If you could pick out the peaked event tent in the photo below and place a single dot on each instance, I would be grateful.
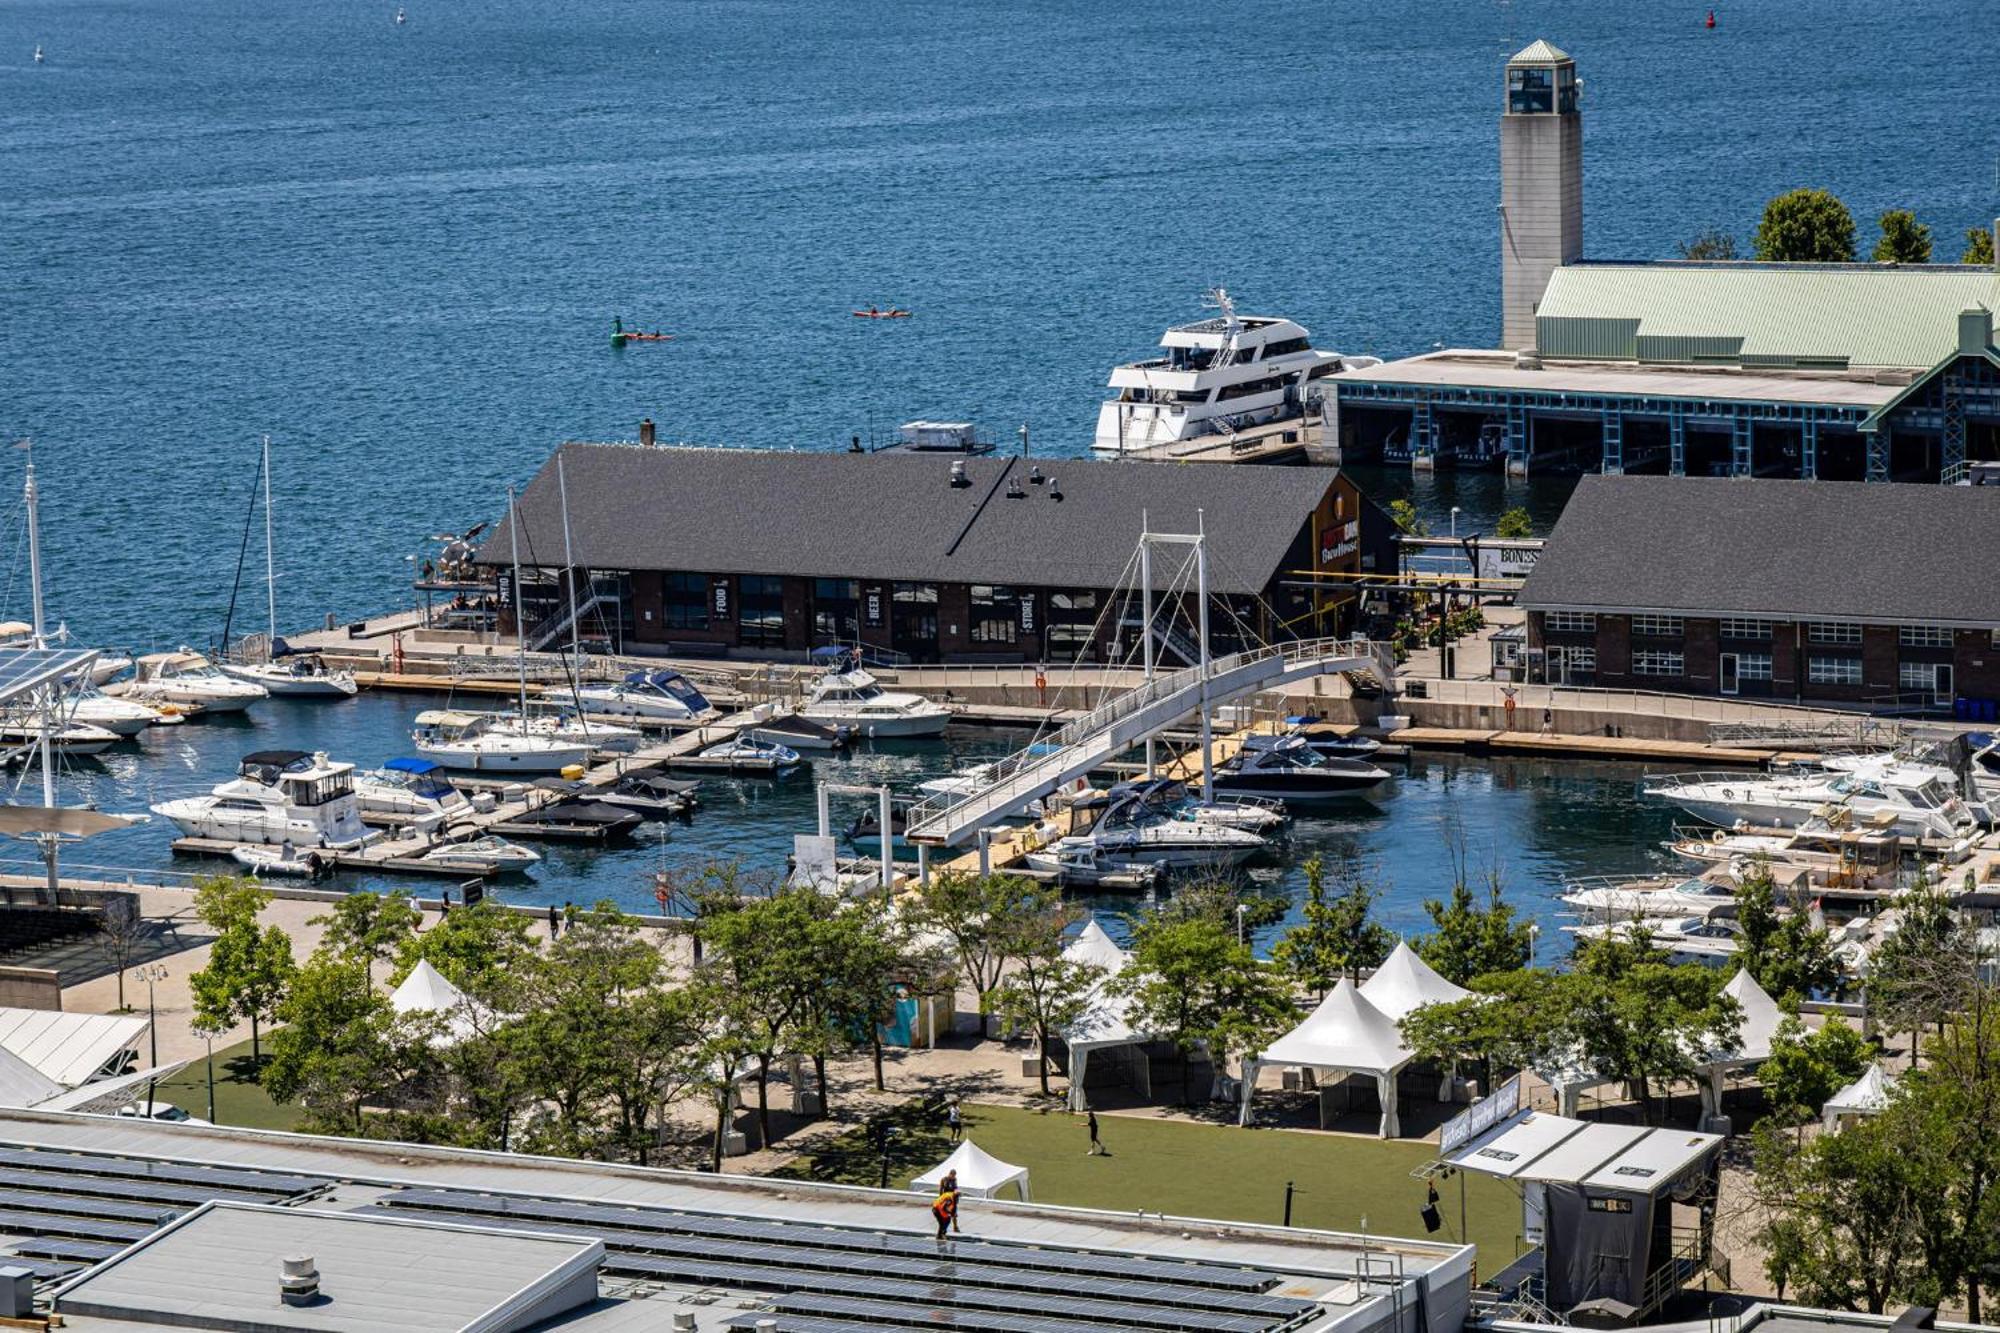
(980, 1173)
(1404, 984)
(68, 1048)
(1867, 1095)
(1104, 1022)
(1346, 1034)
(1761, 1017)
(21, 1084)
(425, 991)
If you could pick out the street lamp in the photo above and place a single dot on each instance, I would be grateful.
(1534, 936)
(150, 973)
(207, 1034)
(1454, 522)
(1241, 908)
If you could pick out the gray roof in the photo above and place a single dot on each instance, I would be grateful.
(895, 516)
(1817, 550)
(1541, 51)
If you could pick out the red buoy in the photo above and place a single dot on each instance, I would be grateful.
(1711, 18)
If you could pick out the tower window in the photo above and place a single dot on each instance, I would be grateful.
(1531, 91)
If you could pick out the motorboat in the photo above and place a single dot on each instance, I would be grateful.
(650, 795)
(185, 677)
(570, 728)
(294, 676)
(1078, 865)
(469, 741)
(107, 666)
(483, 856)
(1832, 853)
(1124, 826)
(21, 736)
(803, 734)
(659, 693)
(749, 751)
(285, 862)
(1919, 800)
(1218, 376)
(1625, 898)
(1686, 939)
(970, 781)
(414, 789)
(1333, 744)
(1289, 769)
(849, 696)
(277, 797)
(1176, 800)
(864, 834)
(124, 717)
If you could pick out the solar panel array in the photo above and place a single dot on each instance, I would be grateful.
(64, 1211)
(825, 1278)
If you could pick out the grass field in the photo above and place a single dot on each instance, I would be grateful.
(238, 1098)
(1193, 1170)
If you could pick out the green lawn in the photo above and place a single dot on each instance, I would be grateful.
(1194, 1170)
(238, 1098)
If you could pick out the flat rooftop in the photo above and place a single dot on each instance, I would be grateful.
(77, 1191)
(1475, 369)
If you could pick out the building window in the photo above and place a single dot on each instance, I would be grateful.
(1746, 629)
(1569, 622)
(1923, 636)
(1572, 666)
(1654, 663)
(837, 610)
(916, 627)
(1531, 91)
(1834, 631)
(1658, 627)
(684, 601)
(1833, 670)
(1919, 677)
(760, 611)
(1072, 624)
(1753, 666)
(995, 613)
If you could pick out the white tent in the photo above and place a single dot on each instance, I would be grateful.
(107, 1095)
(1405, 983)
(1104, 1022)
(68, 1048)
(1867, 1095)
(1346, 1034)
(1761, 1017)
(980, 1173)
(21, 1084)
(426, 991)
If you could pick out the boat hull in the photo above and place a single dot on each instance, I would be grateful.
(894, 728)
(474, 760)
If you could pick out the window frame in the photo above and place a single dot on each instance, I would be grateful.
(1659, 627)
(1833, 670)
(1654, 662)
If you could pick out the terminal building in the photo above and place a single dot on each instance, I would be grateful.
(1789, 590)
(925, 558)
(1853, 372)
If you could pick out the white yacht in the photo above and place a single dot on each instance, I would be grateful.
(107, 665)
(85, 705)
(296, 676)
(1687, 939)
(1620, 898)
(663, 694)
(187, 678)
(1218, 376)
(475, 855)
(470, 741)
(278, 797)
(415, 789)
(22, 736)
(1919, 800)
(571, 729)
(1125, 827)
(851, 697)
(754, 753)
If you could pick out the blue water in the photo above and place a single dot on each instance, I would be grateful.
(398, 251)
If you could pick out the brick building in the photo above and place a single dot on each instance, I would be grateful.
(1791, 590)
(935, 558)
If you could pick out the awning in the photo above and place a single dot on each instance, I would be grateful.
(68, 1048)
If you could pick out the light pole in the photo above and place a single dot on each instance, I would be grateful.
(1454, 522)
(207, 1034)
(1241, 908)
(150, 973)
(1534, 936)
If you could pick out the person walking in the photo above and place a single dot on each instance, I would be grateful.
(1097, 1148)
(555, 922)
(945, 1207)
(955, 1120)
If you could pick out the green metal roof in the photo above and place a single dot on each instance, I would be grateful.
(1540, 52)
(1760, 314)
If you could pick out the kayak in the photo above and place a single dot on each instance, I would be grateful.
(883, 314)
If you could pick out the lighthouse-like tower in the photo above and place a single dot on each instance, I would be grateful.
(1541, 184)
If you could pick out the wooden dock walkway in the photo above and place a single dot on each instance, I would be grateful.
(1584, 747)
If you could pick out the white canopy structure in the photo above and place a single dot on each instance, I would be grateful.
(107, 1095)
(68, 1048)
(1345, 1035)
(426, 991)
(1867, 1095)
(1761, 1017)
(1105, 1021)
(980, 1173)
(21, 1084)
(1405, 983)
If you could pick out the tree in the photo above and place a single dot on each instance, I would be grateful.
(481, 949)
(1407, 520)
(1709, 243)
(1923, 971)
(1842, 1226)
(1515, 1021)
(341, 1047)
(1978, 246)
(121, 929)
(1805, 1068)
(1191, 983)
(1046, 991)
(1472, 941)
(769, 948)
(1953, 1106)
(1806, 226)
(368, 927)
(1515, 524)
(246, 977)
(1335, 937)
(1634, 1018)
(223, 901)
(979, 915)
(654, 1059)
(1788, 955)
(1904, 239)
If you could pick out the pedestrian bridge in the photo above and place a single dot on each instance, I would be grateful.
(1118, 724)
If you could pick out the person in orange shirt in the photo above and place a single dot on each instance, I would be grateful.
(945, 1207)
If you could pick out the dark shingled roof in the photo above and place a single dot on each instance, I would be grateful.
(1775, 550)
(895, 515)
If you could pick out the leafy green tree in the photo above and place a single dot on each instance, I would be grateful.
(1923, 971)
(1787, 954)
(770, 948)
(1805, 1067)
(1978, 246)
(979, 915)
(223, 901)
(1470, 940)
(1904, 239)
(1335, 937)
(1191, 983)
(246, 977)
(1516, 1021)
(482, 949)
(1633, 1017)
(1709, 243)
(654, 1059)
(732, 1036)
(866, 953)
(1806, 226)
(1841, 1213)
(1046, 992)
(1514, 524)
(342, 1048)
(1407, 520)
(369, 927)
(1953, 1106)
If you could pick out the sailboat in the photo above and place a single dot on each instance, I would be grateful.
(283, 674)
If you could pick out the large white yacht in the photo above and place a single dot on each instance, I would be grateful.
(186, 677)
(277, 797)
(1125, 826)
(470, 740)
(1219, 376)
(852, 697)
(659, 693)
(1917, 799)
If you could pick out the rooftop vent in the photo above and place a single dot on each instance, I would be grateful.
(1015, 490)
(300, 1283)
(958, 477)
(1055, 489)
(1035, 477)
(683, 1321)
(1527, 359)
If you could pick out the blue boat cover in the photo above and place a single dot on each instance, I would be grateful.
(412, 766)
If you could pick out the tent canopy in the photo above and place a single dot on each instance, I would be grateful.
(1345, 1032)
(980, 1173)
(68, 1048)
(1761, 1017)
(21, 1084)
(425, 990)
(1097, 949)
(1867, 1095)
(1106, 1018)
(108, 1094)
(1405, 983)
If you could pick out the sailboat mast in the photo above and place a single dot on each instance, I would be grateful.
(569, 584)
(270, 567)
(520, 627)
(49, 690)
(1207, 721)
